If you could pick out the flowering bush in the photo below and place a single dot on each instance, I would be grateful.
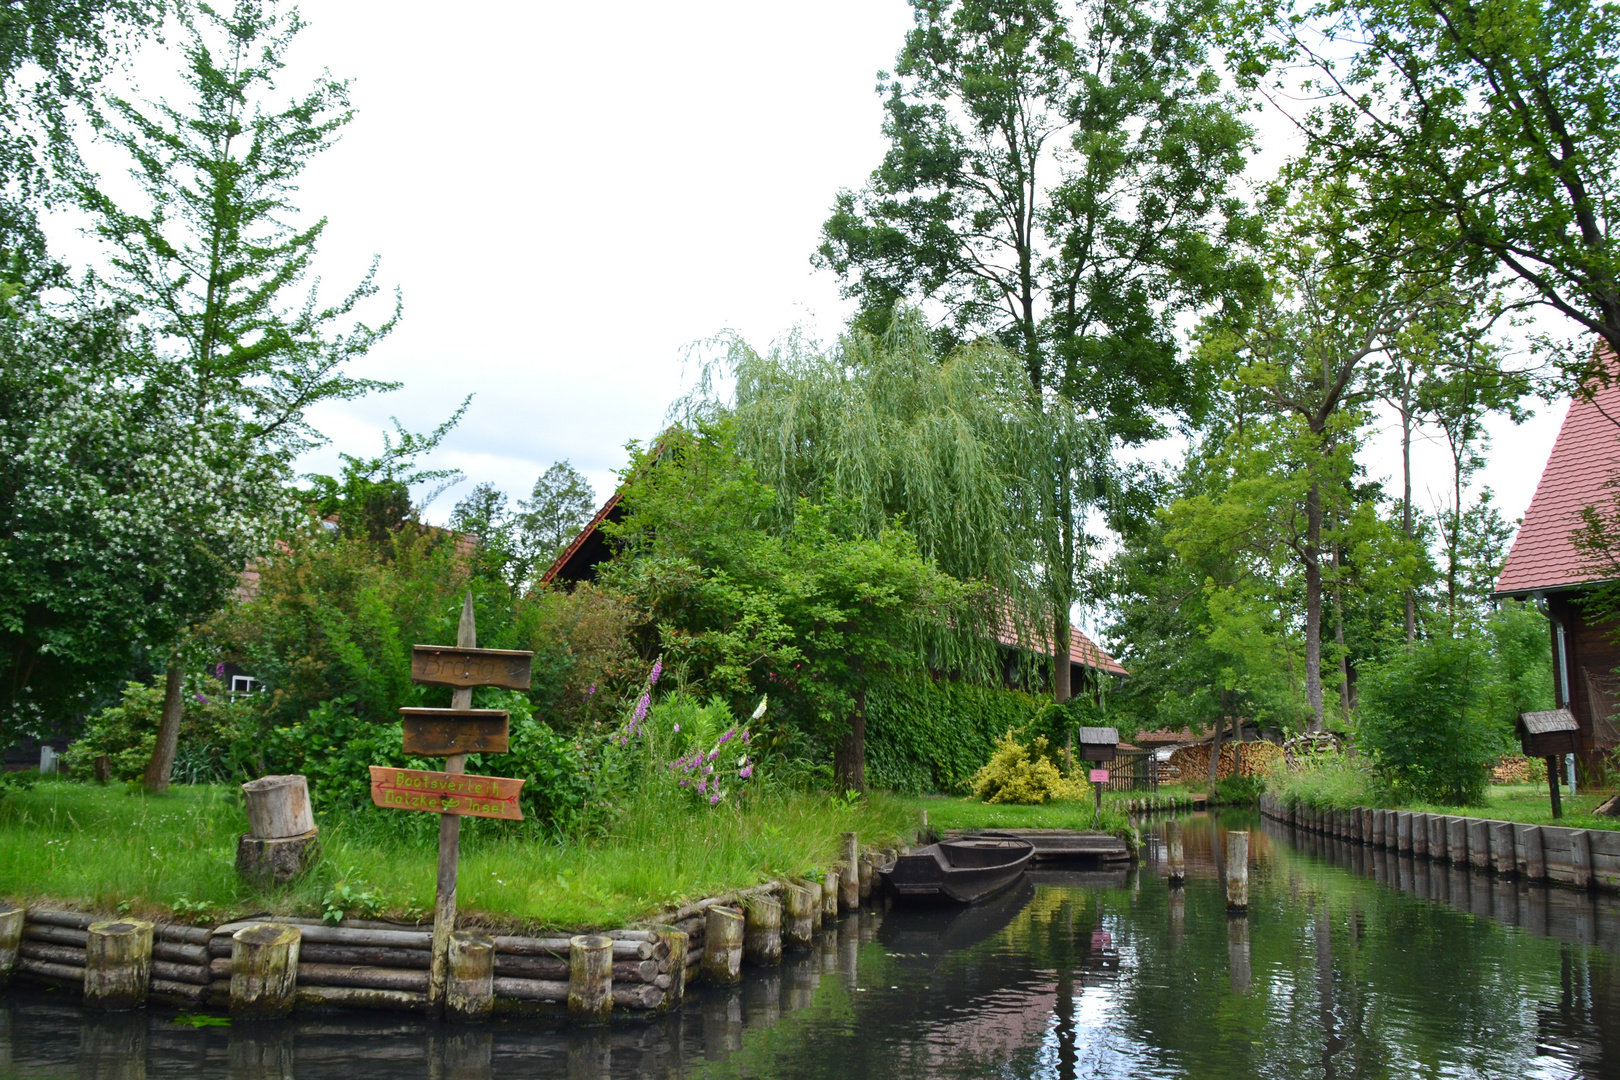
(705, 770)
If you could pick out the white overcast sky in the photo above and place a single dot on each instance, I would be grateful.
(569, 196)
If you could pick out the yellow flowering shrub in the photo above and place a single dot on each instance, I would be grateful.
(1017, 773)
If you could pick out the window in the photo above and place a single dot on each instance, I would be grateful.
(242, 684)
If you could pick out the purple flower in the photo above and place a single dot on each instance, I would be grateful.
(591, 691)
(641, 707)
(677, 729)
(713, 754)
(219, 671)
(746, 771)
(200, 698)
(713, 799)
(703, 785)
(727, 736)
(657, 669)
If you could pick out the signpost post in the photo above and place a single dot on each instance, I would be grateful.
(452, 734)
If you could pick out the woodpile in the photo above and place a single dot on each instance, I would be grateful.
(1518, 769)
(1191, 763)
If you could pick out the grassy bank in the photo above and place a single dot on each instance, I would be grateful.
(116, 848)
(949, 812)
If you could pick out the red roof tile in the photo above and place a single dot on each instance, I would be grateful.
(1583, 461)
(1082, 650)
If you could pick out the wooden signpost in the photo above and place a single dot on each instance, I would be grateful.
(452, 734)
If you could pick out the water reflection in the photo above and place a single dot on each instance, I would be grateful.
(1350, 962)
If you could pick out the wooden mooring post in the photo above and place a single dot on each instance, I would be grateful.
(11, 928)
(117, 964)
(1237, 871)
(1176, 857)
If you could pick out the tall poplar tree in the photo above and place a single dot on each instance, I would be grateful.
(1060, 177)
(212, 258)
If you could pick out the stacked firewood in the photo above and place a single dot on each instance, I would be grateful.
(1241, 759)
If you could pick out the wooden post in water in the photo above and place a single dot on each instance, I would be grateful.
(117, 964)
(801, 912)
(469, 992)
(829, 895)
(444, 899)
(11, 927)
(866, 874)
(849, 879)
(1176, 857)
(590, 978)
(264, 970)
(1237, 871)
(723, 946)
(762, 931)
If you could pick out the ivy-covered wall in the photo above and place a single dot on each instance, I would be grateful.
(925, 736)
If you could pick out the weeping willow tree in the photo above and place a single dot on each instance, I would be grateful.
(994, 482)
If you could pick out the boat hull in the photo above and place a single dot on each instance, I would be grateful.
(960, 871)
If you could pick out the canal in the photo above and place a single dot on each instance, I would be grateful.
(1350, 963)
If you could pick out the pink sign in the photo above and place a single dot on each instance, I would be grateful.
(1099, 776)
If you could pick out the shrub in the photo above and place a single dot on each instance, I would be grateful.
(219, 737)
(1024, 774)
(1328, 778)
(1426, 722)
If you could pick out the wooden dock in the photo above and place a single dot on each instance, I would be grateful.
(1062, 845)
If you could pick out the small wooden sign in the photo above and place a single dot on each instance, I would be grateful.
(442, 665)
(442, 732)
(1099, 776)
(446, 793)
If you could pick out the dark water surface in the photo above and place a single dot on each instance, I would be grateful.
(1349, 964)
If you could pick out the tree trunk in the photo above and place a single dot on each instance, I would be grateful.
(849, 763)
(1062, 670)
(1338, 639)
(1215, 746)
(1406, 507)
(1313, 606)
(168, 736)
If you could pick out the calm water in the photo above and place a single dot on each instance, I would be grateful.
(1349, 964)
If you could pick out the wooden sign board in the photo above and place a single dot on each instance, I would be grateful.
(442, 665)
(446, 793)
(442, 732)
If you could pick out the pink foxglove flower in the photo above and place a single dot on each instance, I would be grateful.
(657, 670)
(713, 799)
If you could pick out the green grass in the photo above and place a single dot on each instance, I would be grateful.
(1532, 805)
(102, 848)
(950, 812)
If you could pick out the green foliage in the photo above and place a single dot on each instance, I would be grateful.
(926, 735)
(1521, 647)
(1240, 790)
(1023, 773)
(811, 612)
(350, 896)
(1329, 779)
(219, 737)
(1426, 721)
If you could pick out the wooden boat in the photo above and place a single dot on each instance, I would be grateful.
(960, 871)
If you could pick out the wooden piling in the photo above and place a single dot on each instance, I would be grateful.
(676, 943)
(11, 928)
(867, 872)
(1580, 857)
(723, 946)
(117, 964)
(1237, 871)
(1176, 856)
(1502, 849)
(1403, 833)
(849, 895)
(469, 991)
(1479, 843)
(829, 895)
(801, 912)
(762, 931)
(264, 970)
(590, 978)
(1529, 857)
(1376, 835)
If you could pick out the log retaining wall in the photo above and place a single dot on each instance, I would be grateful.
(1583, 858)
(380, 965)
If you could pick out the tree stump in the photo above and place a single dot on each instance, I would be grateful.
(867, 872)
(11, 927)
(723, 946)
(278, 806)
(676, 941)
(762, 931)
(264, 862)
(590, 978)
(117, 964)
(264, 970)
(801, 911)
(470, 987)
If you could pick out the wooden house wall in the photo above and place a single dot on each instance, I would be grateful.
(1593, 695)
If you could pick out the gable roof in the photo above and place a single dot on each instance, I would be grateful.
(1583, 460)
(1082, 650)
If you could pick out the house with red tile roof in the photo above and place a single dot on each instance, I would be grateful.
(1544, 566)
